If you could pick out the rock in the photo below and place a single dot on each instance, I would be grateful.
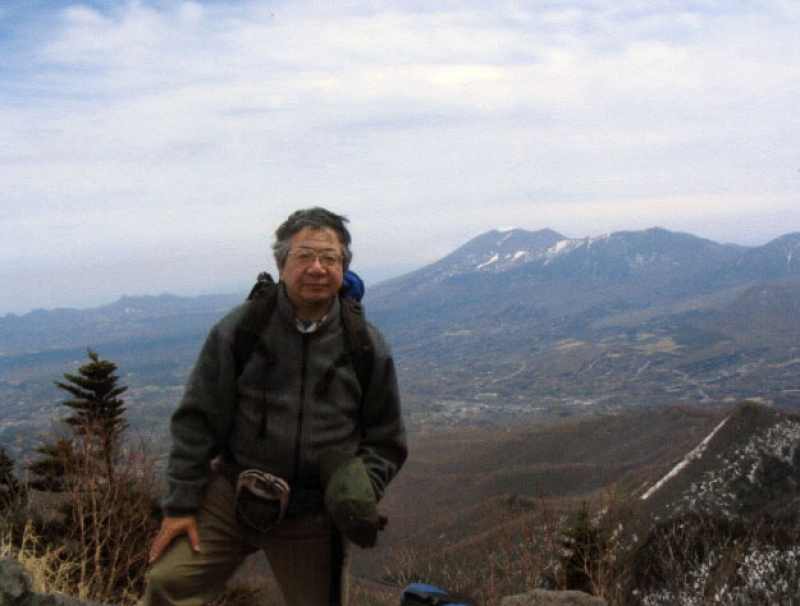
(15, 583)
(547, 580)
(543, 597)
(16, 589)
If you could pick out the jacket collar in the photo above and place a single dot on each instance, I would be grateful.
(287, 312)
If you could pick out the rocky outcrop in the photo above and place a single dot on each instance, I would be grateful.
(544, 597)
(16, 589)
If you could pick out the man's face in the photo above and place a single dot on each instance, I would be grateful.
(312, 281)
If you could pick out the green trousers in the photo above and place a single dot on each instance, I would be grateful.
(302, 553)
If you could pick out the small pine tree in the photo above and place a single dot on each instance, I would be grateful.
(94, 431)
(10, 487)
(105, 514)
(98, 420)
(53, 470)
(95, 398)
(584, 544)
(13, 502)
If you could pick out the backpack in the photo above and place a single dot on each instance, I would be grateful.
(422, 594)
(261, 302)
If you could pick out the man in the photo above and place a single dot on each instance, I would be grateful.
(296, 397)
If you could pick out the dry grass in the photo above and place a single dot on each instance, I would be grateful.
(50, 571)
(91, 540)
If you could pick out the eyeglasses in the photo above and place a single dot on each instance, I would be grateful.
(306, 256)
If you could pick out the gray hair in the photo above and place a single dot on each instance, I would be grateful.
(316, 218)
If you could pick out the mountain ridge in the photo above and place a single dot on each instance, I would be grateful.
(500, 250)
(734, 469)
(632, 319)
(513, 324)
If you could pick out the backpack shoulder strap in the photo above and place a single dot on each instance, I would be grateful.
(260, 304)
(358, 340)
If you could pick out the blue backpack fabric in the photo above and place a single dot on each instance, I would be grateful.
(422, 594)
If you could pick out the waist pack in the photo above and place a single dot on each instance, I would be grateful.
(261, 499)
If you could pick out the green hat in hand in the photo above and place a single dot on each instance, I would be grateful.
(349, 497)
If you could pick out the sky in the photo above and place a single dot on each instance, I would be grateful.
(151, 146)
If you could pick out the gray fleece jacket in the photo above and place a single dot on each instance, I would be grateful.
(297, 395)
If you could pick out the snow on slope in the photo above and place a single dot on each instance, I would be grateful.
(759, 455)
(696, 453)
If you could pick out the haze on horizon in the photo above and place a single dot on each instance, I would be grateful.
(153, 146)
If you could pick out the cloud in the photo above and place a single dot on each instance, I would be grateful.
(177, 135)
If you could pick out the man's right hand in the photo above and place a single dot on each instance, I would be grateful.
(172, 528)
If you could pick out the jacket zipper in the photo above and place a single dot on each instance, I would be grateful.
(262, 429)
(301, 408)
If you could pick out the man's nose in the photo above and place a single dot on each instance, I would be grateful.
(316, 265)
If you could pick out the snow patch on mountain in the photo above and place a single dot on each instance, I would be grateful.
(695, 454)
(496, 259)
(562, 247)
(491, 261)
(741, 470)
(746, 464)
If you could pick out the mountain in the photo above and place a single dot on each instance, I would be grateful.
(500, 272)
(130, 318)
(634, 319)
(512, 325)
